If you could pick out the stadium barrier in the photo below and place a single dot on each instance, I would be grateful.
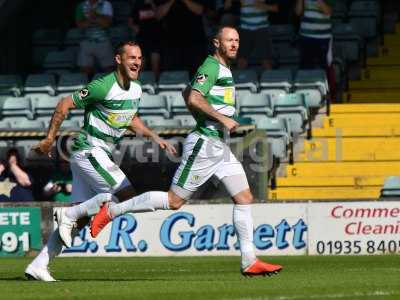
(334, 228)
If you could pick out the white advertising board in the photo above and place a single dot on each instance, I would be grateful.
(279, 229)
(197, 230)
(354, 228)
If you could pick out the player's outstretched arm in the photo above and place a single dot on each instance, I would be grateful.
(139, 128)
(61, 111)
(196, 102)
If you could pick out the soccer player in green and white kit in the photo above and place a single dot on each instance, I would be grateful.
(111, 104)
(211, 99)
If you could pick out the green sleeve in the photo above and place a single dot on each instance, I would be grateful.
(79, 15)
(94, 92)
(205, 78)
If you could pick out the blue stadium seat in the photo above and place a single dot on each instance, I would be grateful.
(40, 83)
(71, 82)
(28, 125)
(364, 17)
(245, 79)
(43, 42)
(313, 84)
(60, 60)
(274, 82)
(44, 105)
(391, 187)
(173, 80)
(165, 123)
(278, 135)
(256, 104)
(348, 43)
(10, 85)
(292, 108)
(148, 82)
(16, 107)
(153, 105)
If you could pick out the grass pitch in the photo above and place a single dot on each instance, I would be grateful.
(303, 278)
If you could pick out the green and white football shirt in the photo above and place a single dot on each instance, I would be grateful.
(314, 23)
(215, 82)
(109, 109)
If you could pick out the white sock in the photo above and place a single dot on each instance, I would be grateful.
(145, 202)
(50, 251)
(243, 222)
(89, 207)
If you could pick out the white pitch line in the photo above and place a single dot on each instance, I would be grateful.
(324, 296)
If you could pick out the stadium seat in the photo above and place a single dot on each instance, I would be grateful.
(153, 105)
(348, 42)
(177, 104)
(186, 120)
(71, 82)
(277, 135)
(313, 85)
(165, 123)
(16, 107)
(77, 119)
(28, 124)
(43, 42)
(44, 105)
(256, 104)
(10, 85)
(281, 34)
(148, 81)
(391, 187)
(245, 79)
(70, 124)
(40, 83)
(292, 107)
(60, 60)
(4, 125)
(173, 80)
(288, 56)
(364, 16)
(274, 82)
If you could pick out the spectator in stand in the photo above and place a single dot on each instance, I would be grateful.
(95, 16)
(316, 37)
(145, 24)
(59, 187)
(16, 183)
(254, 35)
(229, 11)
(184, 36)
(5, 184)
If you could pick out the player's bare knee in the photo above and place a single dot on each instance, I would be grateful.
(243, 197)
(175, 202)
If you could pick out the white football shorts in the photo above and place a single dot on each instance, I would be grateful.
(94, 172)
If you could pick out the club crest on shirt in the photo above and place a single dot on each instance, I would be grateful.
(201, 78)
(83, 93)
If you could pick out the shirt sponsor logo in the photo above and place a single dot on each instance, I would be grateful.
(201, 78)
(83, 93)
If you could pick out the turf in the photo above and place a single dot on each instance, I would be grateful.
(351, 277)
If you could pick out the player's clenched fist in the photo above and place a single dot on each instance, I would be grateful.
(230, 124)
(44, 147)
